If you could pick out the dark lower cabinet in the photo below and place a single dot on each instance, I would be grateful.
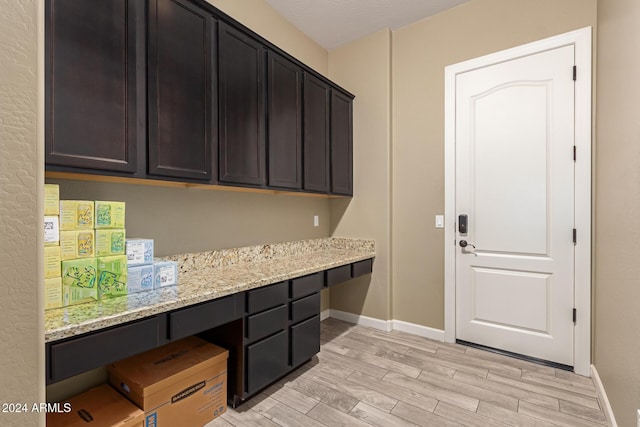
(242, 108)
(341, 143)
(316, 134)
(182, 97)
(267, 360)
(305, 340)
(94, 85)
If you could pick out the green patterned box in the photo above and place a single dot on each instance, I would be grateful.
(112, 276)
(79, 281)
(110, 242)
(109, 214)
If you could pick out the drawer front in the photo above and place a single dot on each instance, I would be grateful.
(305, 340)
(361, 268)
(266, 323)
(192, 320)
(101, 348)
(266, 297)
(305, 307)
(266, 361)
(338, 275)
(303, 286)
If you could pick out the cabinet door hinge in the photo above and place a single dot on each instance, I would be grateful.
(575, 73)
(575, 236)
(575, 315)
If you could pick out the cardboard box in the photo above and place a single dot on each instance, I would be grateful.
(52, 267)
(76, 214)
(52, 293)
(183, 383)
(112, 276)
(77, 244)
(109, 214)
(79, 282)
(51, 199)
(139, 251)
(101, 406)
(110, 242)
(140, 278)
(51, 230)
(165, 273)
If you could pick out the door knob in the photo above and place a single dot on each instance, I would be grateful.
(464, 244)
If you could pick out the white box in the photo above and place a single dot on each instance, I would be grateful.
(139, 251)
(140, 278)
(51, 230)
(165, 273)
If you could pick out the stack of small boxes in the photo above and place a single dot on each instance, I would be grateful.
(145, 271)
(52, 272)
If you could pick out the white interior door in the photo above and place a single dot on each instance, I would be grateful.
(514, 179)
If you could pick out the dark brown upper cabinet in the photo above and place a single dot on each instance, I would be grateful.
(341, 143)
(242, 108)
(94, 85)
(316, 134)
(285, 123)
(182, 91)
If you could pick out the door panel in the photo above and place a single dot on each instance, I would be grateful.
(515, 181)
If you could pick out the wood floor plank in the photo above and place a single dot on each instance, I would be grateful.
(575, 378)
(580, 399)
(351, 363)
(378, 418)
(422, 364)
(490, 365)
(247, 418)
(431, 357)
(358, 391)
(294, 399)
(334, 418)
(465, 418)
(582, 412)
(559, 418)
(338, 400)
(427, 346)
(286, 416)
(509, 361)
(516, 392)
(348, 342)
(482, 394)
(381, 362)
(394, 391)
(418, 340)
(419, 416)
(218, 422)
(560, 383)
(260, 403)
(380, 344)
(509, 417)
(444, 395)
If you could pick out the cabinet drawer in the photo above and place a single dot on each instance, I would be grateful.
(361, 268)
(305, 340)
(338, 275)
(305, 307)
(266, 297)
(266, 361)
(266, 323)
(101, 348)
(303, 286)
(192, 320)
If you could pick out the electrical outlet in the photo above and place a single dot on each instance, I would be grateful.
(316, 220)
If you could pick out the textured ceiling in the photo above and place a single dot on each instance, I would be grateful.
(332, 23)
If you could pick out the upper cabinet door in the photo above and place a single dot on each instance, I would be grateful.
(94, 84)
(285, 123)
(341, 143)
(182, 114)
(316, 134)
(242, 108)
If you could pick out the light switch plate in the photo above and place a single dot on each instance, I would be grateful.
(439, 221)
(316, 221)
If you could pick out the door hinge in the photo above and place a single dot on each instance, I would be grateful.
(575, 149)
(575, 236)
(575, 73)
(575, 315)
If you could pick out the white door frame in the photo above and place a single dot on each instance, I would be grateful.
(581, 39)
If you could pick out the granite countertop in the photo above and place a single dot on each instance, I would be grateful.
(210, 275)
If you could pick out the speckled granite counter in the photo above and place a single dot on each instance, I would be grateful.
(207, 276)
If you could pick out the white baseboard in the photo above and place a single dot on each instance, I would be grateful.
(387, 325)
(325, 314)
(422, 331)
(602, 394)
(371, 322)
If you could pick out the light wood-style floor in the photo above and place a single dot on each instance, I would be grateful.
(366, 377)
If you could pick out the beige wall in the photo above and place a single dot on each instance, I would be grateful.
(617, 287)
(420, 53)
(21, 210)
(364, 68)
